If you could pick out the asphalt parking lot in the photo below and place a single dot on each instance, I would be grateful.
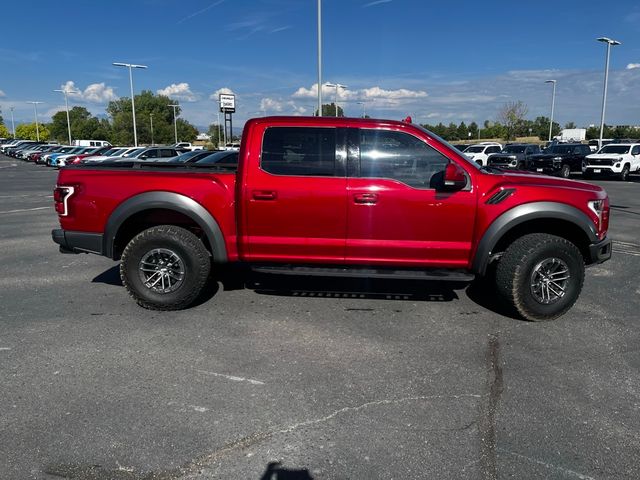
(322, 380)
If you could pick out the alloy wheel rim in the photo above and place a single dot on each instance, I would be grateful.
(549, 280)
(161, 270)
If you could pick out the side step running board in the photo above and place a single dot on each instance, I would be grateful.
(447, 275)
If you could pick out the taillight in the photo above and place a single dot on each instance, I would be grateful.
(75, 159)
(60, 197)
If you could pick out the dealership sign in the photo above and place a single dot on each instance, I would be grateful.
(227, 102)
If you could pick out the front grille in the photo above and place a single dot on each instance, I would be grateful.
(600, 161)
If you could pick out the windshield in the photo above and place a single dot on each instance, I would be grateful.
(133, 153)
(222, 157)
(615, 149)
(514, 149)
(475, 149)
(187, 156)
(560, 149)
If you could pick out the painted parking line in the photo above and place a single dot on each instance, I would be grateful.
(26, 209)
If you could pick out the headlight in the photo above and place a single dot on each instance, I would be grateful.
(557, 159)
(596, 206)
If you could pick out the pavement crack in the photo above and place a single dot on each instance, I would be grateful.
(487, 417)
(258, 437)
(564, 470)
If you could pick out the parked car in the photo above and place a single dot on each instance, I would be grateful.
(187, 146)
(595, 145)
(225, 159)
(193, 156)
(76, 159)
(561, 159)
(46, 159)
(150, 154)
(91, 143)
(615, 159)
(61, 160)
(514, 156)
(412, 206)
(52, 160)
(109, 155)
(480, 152)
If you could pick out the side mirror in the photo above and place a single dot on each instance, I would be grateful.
(454, 178)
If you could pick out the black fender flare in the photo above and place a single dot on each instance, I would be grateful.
(524, 213)
(169, 201)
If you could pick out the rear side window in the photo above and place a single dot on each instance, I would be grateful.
(167, 153)
(299, 151)
(495, 149)
(399, 156)
(635, 150)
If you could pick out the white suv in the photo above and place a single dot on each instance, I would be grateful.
(618, 159)
(481, 151)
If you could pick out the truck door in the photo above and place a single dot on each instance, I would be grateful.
(295, 197)
(395, 214)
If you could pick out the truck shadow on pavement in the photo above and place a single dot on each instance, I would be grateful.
(480, 292)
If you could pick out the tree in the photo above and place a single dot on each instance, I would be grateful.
(569, 125)
(463, 131)
(329, 110)
(27, 131)
(147, 103)
(4, 131)
(541, 128)
(511, 115)
(216, 131)
(83, 125)
(473, 129)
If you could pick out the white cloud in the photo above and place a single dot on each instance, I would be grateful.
(179, 91)
(376, 2)
(214, 95)
(270, 105)
(373, 93)
(94, 93)
(633, 66)
(400, 94)
(2, 94)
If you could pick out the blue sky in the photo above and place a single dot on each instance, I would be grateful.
(437, 61)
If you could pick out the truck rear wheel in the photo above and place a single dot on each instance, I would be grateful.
(165, 268)
(541, 276)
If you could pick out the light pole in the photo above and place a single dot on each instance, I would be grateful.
(66, 104)
(131, 66)
(319, 58)
(553, 104)
(219, 131)
(364, 110)
(609, 43)
(35, 110)
(175, 123)
(151, 121)
(337, 86)
(13, 126)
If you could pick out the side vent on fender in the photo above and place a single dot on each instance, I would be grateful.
(500, 196)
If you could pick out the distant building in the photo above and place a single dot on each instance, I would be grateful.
(203, 137)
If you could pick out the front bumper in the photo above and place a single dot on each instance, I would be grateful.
(602, 170)
(78, 242)
(600, 251)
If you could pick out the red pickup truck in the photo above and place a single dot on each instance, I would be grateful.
(337, 197)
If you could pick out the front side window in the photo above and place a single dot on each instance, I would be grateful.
(299, 151)
(399, 156)
(635, 150)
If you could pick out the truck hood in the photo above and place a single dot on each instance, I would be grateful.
(530, 179)
(606, 155)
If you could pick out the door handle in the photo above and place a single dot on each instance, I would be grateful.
(264, 195)
(366, 198)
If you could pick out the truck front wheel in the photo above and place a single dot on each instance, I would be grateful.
(541, 276)
(165, 268)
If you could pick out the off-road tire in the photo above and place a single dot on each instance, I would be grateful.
(514, 274)
(624, 175)
(565, 171)
(191, 252)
